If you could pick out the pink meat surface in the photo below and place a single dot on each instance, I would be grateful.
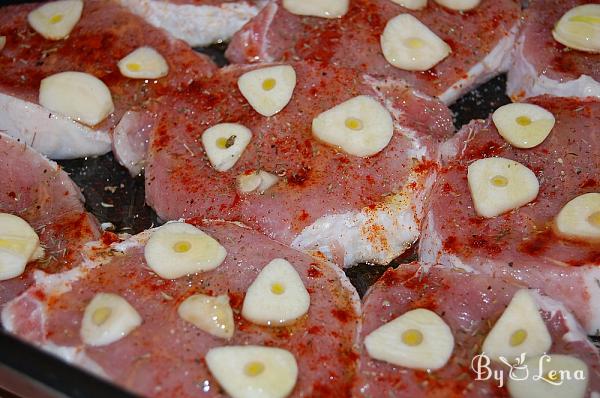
(521, 244)
(38, 191)
(544, 66)
(105, 34)
(349, 208)
(481, 40)
(164, 357)
(470, 305)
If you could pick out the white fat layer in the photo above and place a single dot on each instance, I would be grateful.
(575, 331)
(130, 153)
(431, 253)
(56, 136)
(524, 81)
(396, 223)
(198, 25)
(496, 62)
(75, 356)
(591, 280)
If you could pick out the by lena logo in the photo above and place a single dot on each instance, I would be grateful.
(519, 369)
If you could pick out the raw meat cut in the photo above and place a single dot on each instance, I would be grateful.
(470, 305)
(522, 243)
(105, 33)
(38, 191)
(481, 41)
(164, 357)
(542, 65)
(197, 22)
(348, 208)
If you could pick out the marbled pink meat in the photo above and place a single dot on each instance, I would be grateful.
(104, 35)
(481, 41)
(521, 244)
(351, 209)
(544, 66)
(470, 305)
(164, 357)
(38, 191)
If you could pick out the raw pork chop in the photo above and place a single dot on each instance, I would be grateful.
(38, 191)
(544, 66)
(521, 244)
(164, 357)
(105, 33)
(481, 41)
(198, 22)
(349, 208)
(470, 305)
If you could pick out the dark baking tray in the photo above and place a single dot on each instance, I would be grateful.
(115, 197)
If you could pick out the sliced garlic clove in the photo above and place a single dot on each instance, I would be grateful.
(224, 144)
(499, 185)
(549, 376)
(2, 42)
(418, 339)
(108, 318)
(277, 296)
(211, 314)
(520, 329)
(523, 125)
(177, 249)
(55, 20)
(143, 63)
(579, 28)
(459, 5)
(360, 126)
(78, 95)
(580, 218)
(410, 45)
(268, 90)
(253, 371)
(317, 8)
(256, 181)
(19, 244)
(411, 4)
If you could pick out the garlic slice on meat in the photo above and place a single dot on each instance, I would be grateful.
(80, 96)
(277, 296)
(19, 244)
(144, 63)
(211, 314)
(418, 339)
(520, 329)
(56, 19)
(253, 371)
(177, 249)
(268, 90)
(411, 4)
(579, 28)
(360, 126)
(317, 8)
(256, 181)
(408, 44)
(580, 218)
(549, 376)
(224, 144)
(499, 185)
(459, 5)
(108, 318)
(523, 125)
